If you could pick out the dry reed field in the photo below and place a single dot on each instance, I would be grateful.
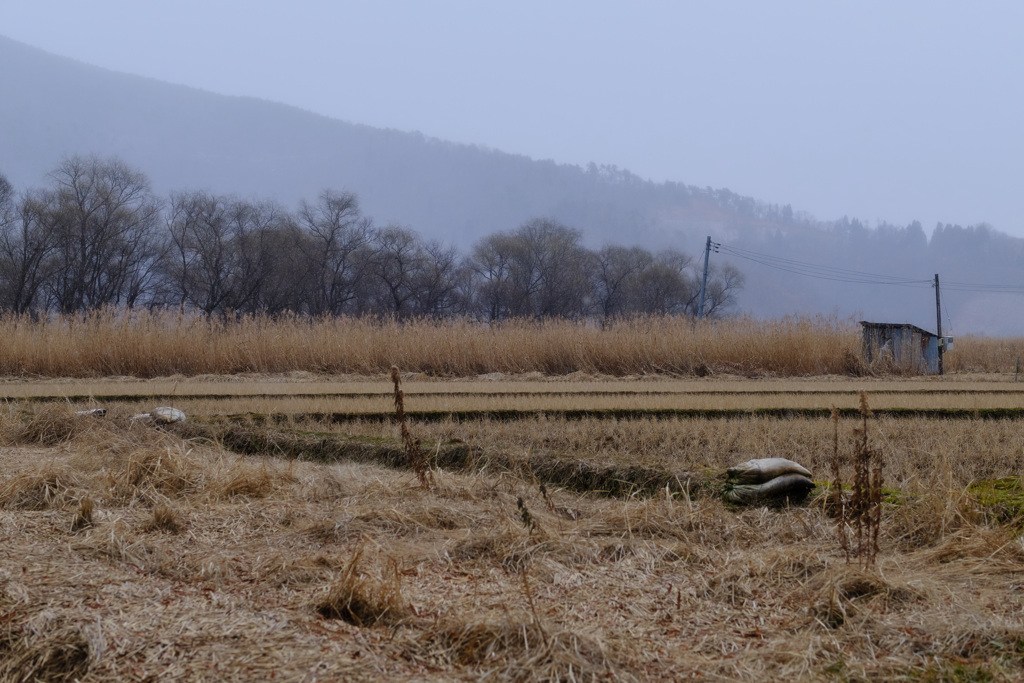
(514, 525)
(161, 344)
(134, 553)
(131, 553)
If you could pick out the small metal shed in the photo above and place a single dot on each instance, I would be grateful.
(908, 346)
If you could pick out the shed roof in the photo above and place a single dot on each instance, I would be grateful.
(902, 326)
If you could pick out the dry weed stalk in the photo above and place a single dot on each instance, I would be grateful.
(529, 521)
(547, 498)
(863, 510)
(866, 500)
(837, 502)
(528, 592)
(415, 457)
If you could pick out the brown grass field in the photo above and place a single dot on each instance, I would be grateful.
(162, 344)
(285, 544)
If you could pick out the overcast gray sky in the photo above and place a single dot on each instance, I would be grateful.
(881, 110)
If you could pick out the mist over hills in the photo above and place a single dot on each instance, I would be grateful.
(182, 138)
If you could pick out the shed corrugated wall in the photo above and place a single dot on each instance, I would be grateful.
(908, 346)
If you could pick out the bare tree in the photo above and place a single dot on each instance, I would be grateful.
(6, 199)
(90, 240)
(285, 282)
(436, 281)
(618, 278)
(724, 283)
(338, 236)
(100, 216)
(202, 262)
(492, 263)
(25, 249)
(666, 286)
(254, 228)
(397, 254)
(540, 270)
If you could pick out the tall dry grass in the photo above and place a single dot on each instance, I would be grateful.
(145, 344)
(163, 343)
(975, 353)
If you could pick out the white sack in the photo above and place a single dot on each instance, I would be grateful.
(165, 415)
(795, 487)
(764, 469)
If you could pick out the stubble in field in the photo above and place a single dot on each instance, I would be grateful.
(199, 563)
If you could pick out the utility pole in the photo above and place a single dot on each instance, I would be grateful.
(938, 319)
(704, 282)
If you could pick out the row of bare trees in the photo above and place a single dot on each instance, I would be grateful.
(97, 236)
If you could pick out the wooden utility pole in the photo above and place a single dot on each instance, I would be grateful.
(938, 321)
(704, 282)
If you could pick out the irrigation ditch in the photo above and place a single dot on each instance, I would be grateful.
(1001, 500)
(513, 415)
(543, 466)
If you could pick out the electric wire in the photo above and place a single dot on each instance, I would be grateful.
(976, 287)
(821, 272)
(836, 274)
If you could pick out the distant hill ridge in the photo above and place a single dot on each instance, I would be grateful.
(184, 138)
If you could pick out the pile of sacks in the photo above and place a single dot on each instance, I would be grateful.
(163, 415)
(767, 480)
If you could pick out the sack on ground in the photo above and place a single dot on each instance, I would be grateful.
(167, 415)
(762, 470)
(792, 487)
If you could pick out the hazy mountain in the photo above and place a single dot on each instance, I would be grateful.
(183, 138)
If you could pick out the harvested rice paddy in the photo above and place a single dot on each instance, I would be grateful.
(554, 539)
(290, 396)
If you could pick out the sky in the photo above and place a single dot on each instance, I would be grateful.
(879, 110)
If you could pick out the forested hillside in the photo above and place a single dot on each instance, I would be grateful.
(230, 150)
(96, 236)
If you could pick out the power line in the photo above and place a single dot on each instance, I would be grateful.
(973, 287)
(835, 274)
(822, 272)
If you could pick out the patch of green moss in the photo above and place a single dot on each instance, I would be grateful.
(1003, 498)
(961, 673)
(836, 667)
(365, 438)
(894, 497)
